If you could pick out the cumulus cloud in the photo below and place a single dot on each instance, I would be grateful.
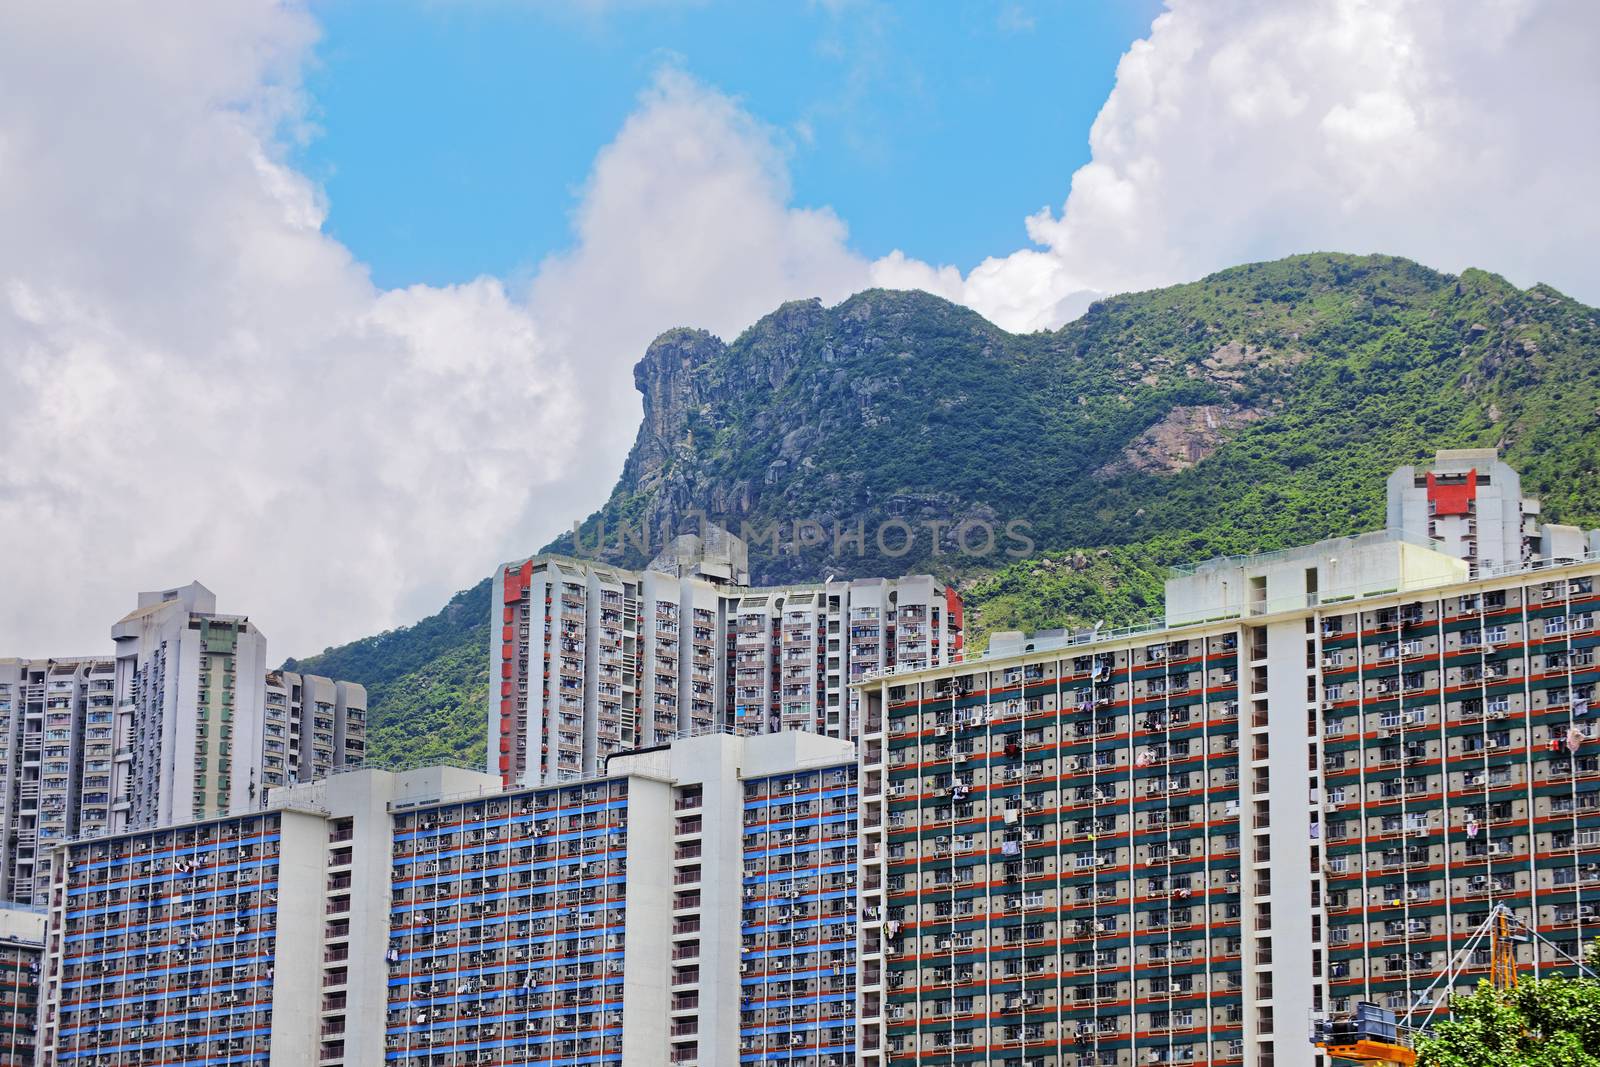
(685, 220)
(1238, 130)
(200, 383)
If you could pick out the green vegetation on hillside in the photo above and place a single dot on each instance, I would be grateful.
(1119, 585)
(427, 685)
(1258, 408)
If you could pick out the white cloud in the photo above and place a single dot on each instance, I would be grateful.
(1457, 134)
(199, 383)
(1014, 18)
(684, 221)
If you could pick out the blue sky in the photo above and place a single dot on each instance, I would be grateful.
(454, 138)
(446, 287)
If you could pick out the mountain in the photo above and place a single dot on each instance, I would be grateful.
(1259, 407)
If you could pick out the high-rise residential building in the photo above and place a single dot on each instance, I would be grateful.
(797, 969)
(591, 660)
(695, 904)
(190, 706)
(182, 720)
(21, 951)
(1302, 789)
(314, 726)
(56, 752)
(1471, 502)
(203, 728)
(1176, 843)
(163, 943)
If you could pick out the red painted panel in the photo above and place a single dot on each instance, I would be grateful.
(517, 582)
(1454, 498)
(953, 609)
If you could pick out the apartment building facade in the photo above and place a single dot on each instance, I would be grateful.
(1178, 843)
(589, 660)
(56, 752)
(694, 901)
(181, 720)
(313, 727)
(798, 919)
(203, 729)
(163, 944)
(21, 950)
(190, 708)
(1471, 502)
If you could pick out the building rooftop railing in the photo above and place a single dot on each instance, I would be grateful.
(1257, 559)
(1051, 642)
(400, 766)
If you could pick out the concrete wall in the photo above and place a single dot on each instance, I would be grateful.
(364, 798)
(249, 717)
(1280, 581)
(497, 623)
(1562, 542)
(647, 926)
(1289, 839)
(22, 924)
(297, 964)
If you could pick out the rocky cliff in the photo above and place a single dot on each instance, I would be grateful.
(1256, 408)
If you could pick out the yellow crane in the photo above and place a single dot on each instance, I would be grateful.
(1502, 950)
(1373, 1035)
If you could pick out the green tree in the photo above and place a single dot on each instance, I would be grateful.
(1543, 1022)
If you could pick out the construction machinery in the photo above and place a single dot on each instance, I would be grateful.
(1369, 1034)
(1375, 1035)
